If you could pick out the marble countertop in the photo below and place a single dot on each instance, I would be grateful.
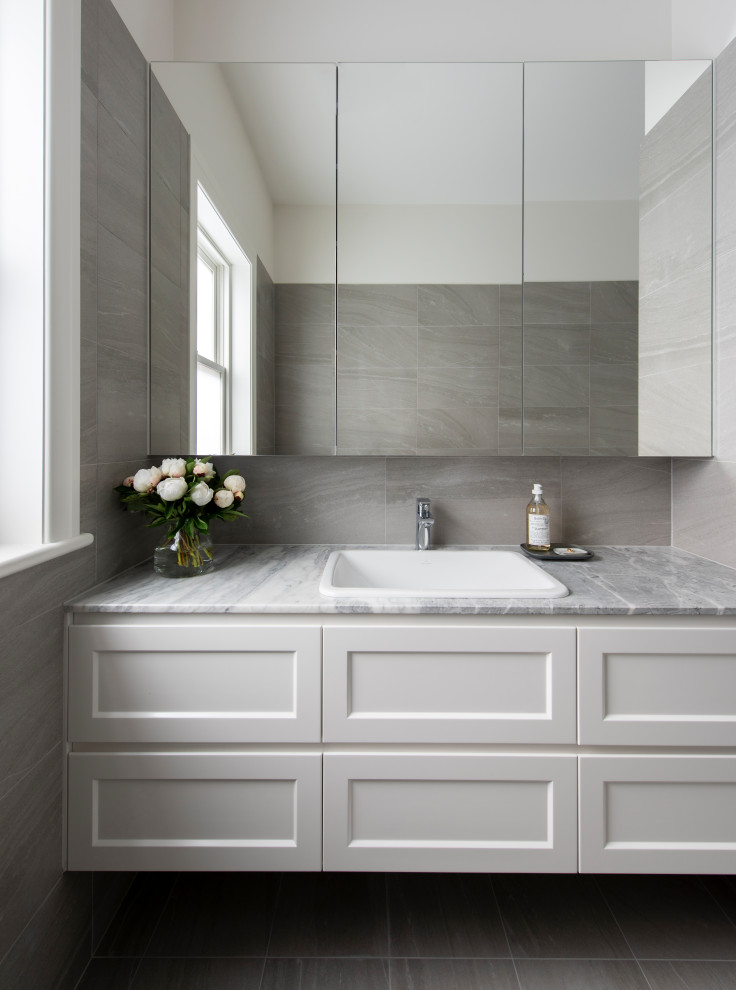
(276, 578)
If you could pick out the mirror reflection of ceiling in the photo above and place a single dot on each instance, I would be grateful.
(430, 133)
(282, 107)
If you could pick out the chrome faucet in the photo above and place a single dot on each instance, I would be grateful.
(425, 521)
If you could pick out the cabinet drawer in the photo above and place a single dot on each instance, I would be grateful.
(657, 687)
(443, 813)
(658, 814)
(182, 811)
(194, 684)
(440, 684)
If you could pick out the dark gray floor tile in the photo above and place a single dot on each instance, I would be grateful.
(558, 917)
(453, 974)
(579, 974)
(217, 914)
(690, 975)
(331, 914)
(325, 974)
(108, 893)
(132, 927)
(198, 974)
(724, 891)
(669, 917)
(54, 947)
(444, 915)
(108, 974)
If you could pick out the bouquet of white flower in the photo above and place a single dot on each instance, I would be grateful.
(185, 494)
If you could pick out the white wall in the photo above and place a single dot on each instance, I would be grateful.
(702, 28)
(581, 241)
(151, 22)
(222, 154)
(418, 30)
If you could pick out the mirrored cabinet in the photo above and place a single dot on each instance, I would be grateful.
(431, 259)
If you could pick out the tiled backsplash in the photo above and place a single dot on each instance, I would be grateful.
(437, 369)
(475, 500)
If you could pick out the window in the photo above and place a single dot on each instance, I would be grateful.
(213, 347)
(224, 339)
(39, 278)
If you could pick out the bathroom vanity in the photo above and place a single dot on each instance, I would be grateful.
(242, 721)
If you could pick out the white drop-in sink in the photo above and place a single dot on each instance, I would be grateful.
(436, 574)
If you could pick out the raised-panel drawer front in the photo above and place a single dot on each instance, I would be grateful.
(442, 813)
(182, 811)
(440, 684)
(657, 687)
(194, 684)
(657, 814)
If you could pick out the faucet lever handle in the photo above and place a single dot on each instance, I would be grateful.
(423, 508)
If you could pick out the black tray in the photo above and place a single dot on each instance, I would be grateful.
(548, 555)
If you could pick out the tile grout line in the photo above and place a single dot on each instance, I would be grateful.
(623, 934)
(505, 933)
(270, 932)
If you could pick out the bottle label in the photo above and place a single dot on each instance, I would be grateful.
(538, 531)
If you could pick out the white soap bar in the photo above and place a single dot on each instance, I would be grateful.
(570, 552)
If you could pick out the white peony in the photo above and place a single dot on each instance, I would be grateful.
(223, 498)
(204, 470)
(172, 489)
(143, 481)
(201, 494)
(235, 483)
(128, 482)
(156, 475)
(173, 467)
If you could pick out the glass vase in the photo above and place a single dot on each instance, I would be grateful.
(182, 555)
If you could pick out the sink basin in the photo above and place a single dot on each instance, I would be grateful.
(436, 574)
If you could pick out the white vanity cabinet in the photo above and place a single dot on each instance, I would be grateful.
(666, 804)
(471, 743)
(163, 773)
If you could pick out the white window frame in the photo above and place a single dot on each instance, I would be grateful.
(39, 289)
(242, 300)
(210, 253)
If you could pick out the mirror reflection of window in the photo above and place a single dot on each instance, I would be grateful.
(223, 335)
(213, 346)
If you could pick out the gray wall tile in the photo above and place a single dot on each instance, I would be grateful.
(511, 305)
(556, 427)
(452, 428)
(457, 386)
(614, 385)
(304, 303)
(30, 826)
(440, 347)
(377, 305)
(561, 345)
(377, 431)
(616, 500)
(557, 303)
(122, 183)
(614, 343)
(614, 302)
(122, 297)
(310, 500)
(30, 698)
(376, 347)
(557, 385)
(122, 76)
(122, 406)
(459, 305)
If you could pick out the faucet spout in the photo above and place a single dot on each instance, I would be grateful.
(425, 521)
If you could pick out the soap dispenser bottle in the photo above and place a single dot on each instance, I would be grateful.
(537, 521)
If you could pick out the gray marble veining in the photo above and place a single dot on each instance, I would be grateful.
(285, 579)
